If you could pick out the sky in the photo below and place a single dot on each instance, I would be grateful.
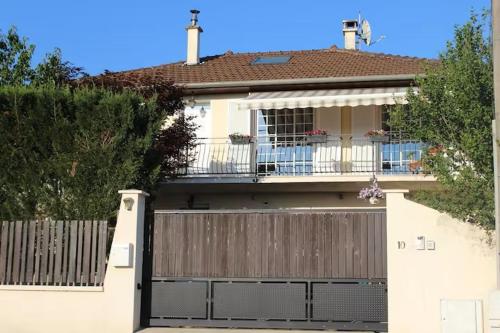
(125, 34)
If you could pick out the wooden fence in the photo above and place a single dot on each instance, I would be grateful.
(270, 245)
(54, 253)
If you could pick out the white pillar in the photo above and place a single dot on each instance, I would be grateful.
(123, 296)
(393, 199)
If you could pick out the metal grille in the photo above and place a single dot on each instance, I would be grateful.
(349, 302)
(247, 300)
(179, 299)
(342, 304)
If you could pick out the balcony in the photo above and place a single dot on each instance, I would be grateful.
(301, 155)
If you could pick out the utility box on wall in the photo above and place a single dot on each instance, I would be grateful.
(121, 255)
(461, 316)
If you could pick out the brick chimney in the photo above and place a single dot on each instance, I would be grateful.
(193, 39)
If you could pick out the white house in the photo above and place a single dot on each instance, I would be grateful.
(264, 229)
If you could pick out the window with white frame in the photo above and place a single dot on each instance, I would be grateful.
(281, 145)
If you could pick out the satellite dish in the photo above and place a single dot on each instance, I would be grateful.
(366, 32)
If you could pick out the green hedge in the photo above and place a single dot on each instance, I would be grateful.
(65, 152)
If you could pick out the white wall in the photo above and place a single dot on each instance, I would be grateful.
(202, 118)
(270, 200)
(462, 267)
(113, 308)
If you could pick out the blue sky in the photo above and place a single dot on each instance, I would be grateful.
(125, 34)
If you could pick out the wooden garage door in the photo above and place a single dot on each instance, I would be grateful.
(329, 244)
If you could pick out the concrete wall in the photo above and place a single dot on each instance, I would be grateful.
(462, 266)
(113, 308)
(272, 200)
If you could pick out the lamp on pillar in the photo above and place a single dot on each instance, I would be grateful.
(129, 203)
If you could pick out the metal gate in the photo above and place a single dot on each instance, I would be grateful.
(267, 269)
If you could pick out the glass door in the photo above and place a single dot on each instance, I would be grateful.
(281, 144)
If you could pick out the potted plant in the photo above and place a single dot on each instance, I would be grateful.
(377, 135)
(372, 193)
(240, 139)
(316, 136)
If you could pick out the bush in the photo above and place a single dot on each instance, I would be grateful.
(65, 152)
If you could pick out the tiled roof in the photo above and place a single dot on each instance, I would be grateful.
(309, 64)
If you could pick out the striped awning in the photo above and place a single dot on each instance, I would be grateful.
(322, 98)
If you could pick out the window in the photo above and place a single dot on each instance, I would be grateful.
(271, 60)
(285, 124)
(281, 145)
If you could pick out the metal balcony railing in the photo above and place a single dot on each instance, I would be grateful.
(290, 155)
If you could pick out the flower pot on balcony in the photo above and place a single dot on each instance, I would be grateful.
(316, 138)
(241, 140)
(373, 200)
(379, 138)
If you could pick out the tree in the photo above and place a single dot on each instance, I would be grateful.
(16, 64)
(69, 142)
(451, 111)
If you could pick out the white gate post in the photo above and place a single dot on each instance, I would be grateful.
(124, 273)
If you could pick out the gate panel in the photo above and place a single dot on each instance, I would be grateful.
(349, 302)
(243, 300)
(270, 245)
(179, 299)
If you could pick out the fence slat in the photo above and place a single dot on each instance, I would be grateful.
(50, 275)
(31, 252)
(45, 252)
(87, 238)
(78, 277)
(58, 254)
(38, 251)
(101, 253)
(93, 256)
(10, 252)
(24, 248)
(3, 250)
(72, 252)
(17, 252)
(103, 236)
(65, 270)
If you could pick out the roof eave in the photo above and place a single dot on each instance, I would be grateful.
(400, 80)
(368, 78)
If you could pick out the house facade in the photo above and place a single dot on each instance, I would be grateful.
(264, 227)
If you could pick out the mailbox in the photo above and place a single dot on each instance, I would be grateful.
(121, 255)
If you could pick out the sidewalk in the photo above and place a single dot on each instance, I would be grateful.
(227, 330)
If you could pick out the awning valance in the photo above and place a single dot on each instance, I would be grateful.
(323, 98)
